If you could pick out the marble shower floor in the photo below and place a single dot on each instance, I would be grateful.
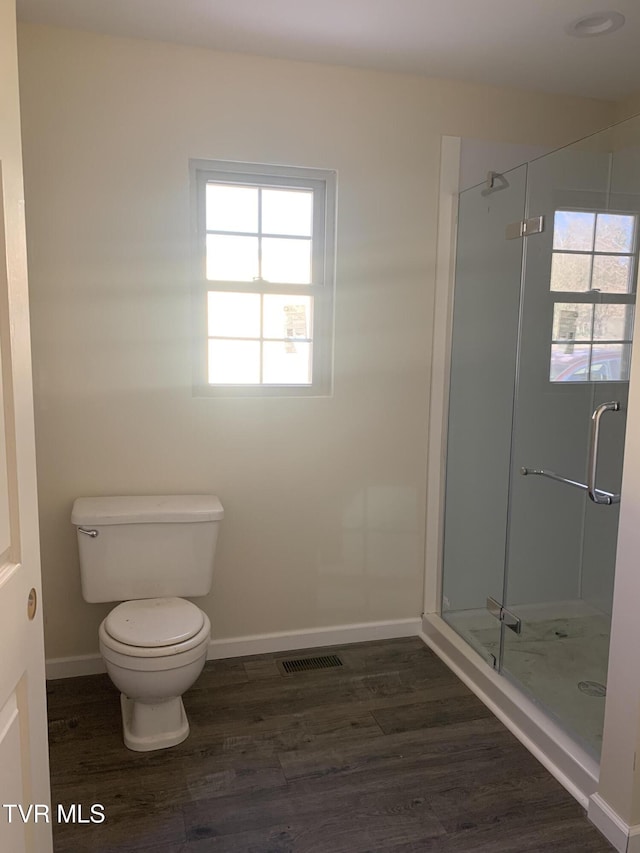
(561, 646)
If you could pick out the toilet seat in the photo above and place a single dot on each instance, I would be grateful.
(151, 658)
(154, 622)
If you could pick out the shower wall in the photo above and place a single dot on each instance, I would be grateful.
(542, 331)
(557, 543)
(483, 357)
(552, 420)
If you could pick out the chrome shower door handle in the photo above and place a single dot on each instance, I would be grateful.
(596, 495)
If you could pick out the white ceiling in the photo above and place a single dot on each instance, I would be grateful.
(518, 43)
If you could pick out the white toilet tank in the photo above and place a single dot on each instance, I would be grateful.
(147, 546)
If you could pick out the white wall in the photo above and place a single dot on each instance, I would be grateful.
(619, 788)
(324, 498)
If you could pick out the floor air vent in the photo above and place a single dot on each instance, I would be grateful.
(290, 667)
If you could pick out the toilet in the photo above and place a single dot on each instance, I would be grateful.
(150, 553)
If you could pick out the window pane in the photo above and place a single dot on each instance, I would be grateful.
(569, 363)
(570, 272)
(610, 363)
(234, 362)
(287, 316)
(287, 212)
(613, 323)
(572, 322)
(611, 274)
(286, 261)
(614, 232)
(287, 363)
(234, 315)
(573, 230)
(232, 208)
(232, 258)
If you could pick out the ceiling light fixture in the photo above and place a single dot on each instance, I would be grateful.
(598, 24)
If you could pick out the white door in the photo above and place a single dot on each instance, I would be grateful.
(24, 763)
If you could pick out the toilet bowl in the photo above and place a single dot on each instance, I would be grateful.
(154, 650)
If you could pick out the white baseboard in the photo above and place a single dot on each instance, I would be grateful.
(338, 635)
(72, 667)
(625, 838)
(311, 639)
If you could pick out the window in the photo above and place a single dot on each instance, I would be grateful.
(593, 275)
(263, 303)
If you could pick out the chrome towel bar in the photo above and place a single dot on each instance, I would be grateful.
(598, 496)
(605, 497)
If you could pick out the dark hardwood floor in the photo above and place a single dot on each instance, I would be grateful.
(389, 752)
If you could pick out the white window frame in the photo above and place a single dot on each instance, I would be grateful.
(321, 289)
(596, 297)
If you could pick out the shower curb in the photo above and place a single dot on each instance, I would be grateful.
(569, 763)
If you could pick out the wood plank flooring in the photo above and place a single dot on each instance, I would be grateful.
(390, 752)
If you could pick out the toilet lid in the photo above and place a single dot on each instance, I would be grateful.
(152, 622)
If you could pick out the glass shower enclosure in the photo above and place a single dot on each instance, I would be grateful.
(545, 286)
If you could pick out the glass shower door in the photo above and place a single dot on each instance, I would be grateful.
(485, 335)
(569, 420)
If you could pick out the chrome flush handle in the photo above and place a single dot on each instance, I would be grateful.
(91, 533)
